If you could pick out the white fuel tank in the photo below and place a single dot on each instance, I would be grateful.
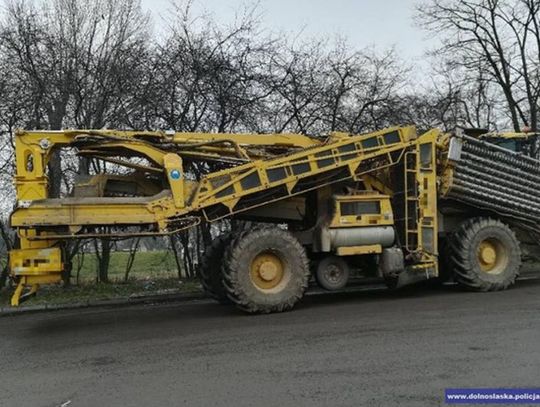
(357, 236)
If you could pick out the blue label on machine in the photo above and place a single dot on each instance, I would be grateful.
(175, 174)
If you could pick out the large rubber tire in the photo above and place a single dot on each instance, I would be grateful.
(470, 268)
(332, 273)
(210, 274)
(242, 280)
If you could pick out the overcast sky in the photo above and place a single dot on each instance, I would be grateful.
(380, 23)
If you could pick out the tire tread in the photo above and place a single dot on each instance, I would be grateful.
(460, 245)
(231, 265)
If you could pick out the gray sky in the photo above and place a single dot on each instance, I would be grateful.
(379, 23)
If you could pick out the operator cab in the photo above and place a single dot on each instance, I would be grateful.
(363, 208)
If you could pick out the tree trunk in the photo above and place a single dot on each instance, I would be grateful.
(131, 259)
(104, 261)
(179, 267)
(103, 255)
(8, 243)
(4, 275)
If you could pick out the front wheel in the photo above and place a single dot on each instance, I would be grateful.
(265, 270)
(485, 255)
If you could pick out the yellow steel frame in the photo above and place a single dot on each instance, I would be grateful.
(339, 158)
(359, 250)
(227, 187)
(427, 226)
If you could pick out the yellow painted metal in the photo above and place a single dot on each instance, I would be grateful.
(426, 179)
(359, 250)
(33, 149)
(35, 261)
(92, 211)
(487, 255)
(272, 140)
(212, 188)
(228, 186)
(263, 178)
(267, 271)
(175, 175)
(345, 155)
(371, 183)
(34, 281)
(152, 153)
(492, 256)
(33, 267)
(16, 297)
(380, 213)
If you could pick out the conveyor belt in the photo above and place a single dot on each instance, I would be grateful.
(490, 177)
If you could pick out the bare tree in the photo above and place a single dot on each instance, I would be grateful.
(8, 240)
(380, 79)
(498, 38)
(132, 252)
(74, 63)
(103, 249)
(452, 98)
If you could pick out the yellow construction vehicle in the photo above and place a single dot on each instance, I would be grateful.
(413, 204)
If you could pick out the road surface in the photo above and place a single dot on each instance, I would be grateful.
(371, 348)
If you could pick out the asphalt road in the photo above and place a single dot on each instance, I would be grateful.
(372, 348)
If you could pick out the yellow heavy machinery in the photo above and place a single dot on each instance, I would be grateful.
(418, 207)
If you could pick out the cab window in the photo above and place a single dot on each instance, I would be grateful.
(360, 208)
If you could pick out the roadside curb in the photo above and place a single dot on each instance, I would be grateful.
(168, 298)
(146, 299)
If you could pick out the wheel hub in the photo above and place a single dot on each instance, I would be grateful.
(492, 256)
(488, 256)
(333, 273)
(266, 270)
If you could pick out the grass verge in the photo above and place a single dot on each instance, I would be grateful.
(153, 273)
(56, 294)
